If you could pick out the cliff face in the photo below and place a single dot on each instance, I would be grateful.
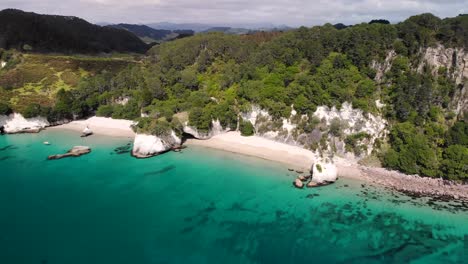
(16, 123)
(454, 60)
(456, 63)
(314, 132)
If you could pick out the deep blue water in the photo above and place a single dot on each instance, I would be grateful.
(203, 206)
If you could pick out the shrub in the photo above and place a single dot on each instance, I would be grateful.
(5, 109)
(319, 168)
(105, 110)
(336, 128)
(147, 125)
(246, 128)
(32, 110)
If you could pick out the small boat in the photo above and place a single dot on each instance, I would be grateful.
(46, 143)
(86, 132)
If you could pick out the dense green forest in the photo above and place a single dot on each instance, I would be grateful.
(47, 33)
(216, 76)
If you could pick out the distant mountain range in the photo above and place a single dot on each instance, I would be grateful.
(150, 35)
(50, 33)
(197, 27)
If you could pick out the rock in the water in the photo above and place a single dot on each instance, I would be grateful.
(324, 171)
(86, 132)
(74, 152)
(302, 178)
(146, 146)
(312, 184)
(298, 184)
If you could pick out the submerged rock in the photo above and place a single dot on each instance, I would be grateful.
(74, 152)
(298, 184)
(146, 146)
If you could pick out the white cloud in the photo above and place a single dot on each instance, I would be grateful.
(292, 12)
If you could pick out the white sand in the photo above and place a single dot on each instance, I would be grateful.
(294, 156)
(101, 126)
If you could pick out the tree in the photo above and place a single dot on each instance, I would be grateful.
(455, 163)
(5, 109)
(246, 128)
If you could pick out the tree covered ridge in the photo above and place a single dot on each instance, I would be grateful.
(217, 76)
(50, 33)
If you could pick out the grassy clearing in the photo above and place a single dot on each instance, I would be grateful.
(37, 77)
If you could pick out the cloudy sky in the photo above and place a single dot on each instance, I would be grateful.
(241, 12)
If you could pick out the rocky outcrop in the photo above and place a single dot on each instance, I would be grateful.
(352, 121)
(74, 152)
(145, 146)
(324, 171)
(215, 129)
(382, 67)
(455, 61)
(16, 123)
(86, 132)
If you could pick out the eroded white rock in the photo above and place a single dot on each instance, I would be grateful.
(145, 146)
(16, 123)
(324, 171)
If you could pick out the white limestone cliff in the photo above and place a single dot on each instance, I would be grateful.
(16, 123)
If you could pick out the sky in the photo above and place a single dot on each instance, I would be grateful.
(241, 12)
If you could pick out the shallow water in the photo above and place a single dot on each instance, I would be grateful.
(203, 206)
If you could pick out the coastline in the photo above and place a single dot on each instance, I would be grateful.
(302, 159)
(293, 157)
(105, 126)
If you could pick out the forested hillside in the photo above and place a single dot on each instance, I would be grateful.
(49, 33)
(379, 68)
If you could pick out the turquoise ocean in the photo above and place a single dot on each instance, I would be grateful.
(203, 206)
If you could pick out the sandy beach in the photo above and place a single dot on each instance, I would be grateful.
(295, 157)
(101, 126)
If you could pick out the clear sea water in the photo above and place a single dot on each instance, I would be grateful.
(203, 206)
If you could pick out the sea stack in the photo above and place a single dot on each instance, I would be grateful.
(86, 132)
(324, 171)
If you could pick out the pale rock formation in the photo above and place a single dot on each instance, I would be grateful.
(145, 146)
(16, 123)
(216, 129)
(324, 171)
(286, 131)
(455, 60)
(382, 67)
(122, 100)
(2, 64)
